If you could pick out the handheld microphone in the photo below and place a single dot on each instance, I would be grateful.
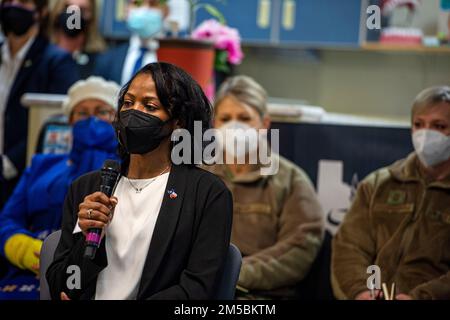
(110, 174)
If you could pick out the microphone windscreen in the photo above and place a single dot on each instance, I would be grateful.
(111, 165)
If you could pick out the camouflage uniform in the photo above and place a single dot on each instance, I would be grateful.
(399, 221)
(277, 225)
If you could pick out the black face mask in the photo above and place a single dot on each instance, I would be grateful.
(139, 132)
(61, 24)
(15, 19)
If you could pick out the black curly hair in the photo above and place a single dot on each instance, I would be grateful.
(180, 95)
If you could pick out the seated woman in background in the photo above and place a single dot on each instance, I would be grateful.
(277, 221)
(35, 208)
(84, 43)
(400, 218)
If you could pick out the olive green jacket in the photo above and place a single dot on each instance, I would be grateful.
(278, 226)
(400, 222)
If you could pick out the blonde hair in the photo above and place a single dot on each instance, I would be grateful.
(429, 98)
(245, 90)
(94, 41)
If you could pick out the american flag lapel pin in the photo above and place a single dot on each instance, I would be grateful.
(172, 194)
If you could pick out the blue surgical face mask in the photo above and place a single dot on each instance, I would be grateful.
(145, 22)
(92, 136)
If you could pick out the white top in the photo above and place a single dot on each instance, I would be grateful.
(128, 237)
(133, 54)
(9, 67)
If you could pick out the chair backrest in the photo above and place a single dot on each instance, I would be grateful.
(46, 258)
(54, 136)
(230, 275)
(225, 291)
(317, 284)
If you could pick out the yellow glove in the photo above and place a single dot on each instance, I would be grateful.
(23, 251)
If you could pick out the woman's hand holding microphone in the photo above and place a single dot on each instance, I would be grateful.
(96, 211)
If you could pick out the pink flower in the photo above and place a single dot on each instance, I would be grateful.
(207, 30)
(233, 47)
(223, 37)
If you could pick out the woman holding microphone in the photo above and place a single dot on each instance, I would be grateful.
(167, 227)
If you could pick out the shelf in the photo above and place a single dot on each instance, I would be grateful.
(380, 47)
(365, 47)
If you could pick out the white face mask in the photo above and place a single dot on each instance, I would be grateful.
(432, 147)
(238, 139)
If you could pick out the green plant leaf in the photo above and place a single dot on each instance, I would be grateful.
(221, 61)
(195, 5)
(212, 10)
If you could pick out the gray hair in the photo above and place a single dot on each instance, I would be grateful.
(245, 90)
(430, 97)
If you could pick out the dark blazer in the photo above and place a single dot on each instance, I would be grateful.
(45, 69)
(187, 250)
(109, 65)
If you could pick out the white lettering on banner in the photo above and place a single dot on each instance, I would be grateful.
(334, 194)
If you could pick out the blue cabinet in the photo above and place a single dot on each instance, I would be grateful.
(253, 18)
(112, 20)
(320, 22)
(293, 22)
(269, 22)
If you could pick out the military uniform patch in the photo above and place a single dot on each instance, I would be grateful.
(396, 197)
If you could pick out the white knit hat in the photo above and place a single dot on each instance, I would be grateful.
(91, 88)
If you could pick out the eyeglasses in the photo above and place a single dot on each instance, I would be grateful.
(99, 113)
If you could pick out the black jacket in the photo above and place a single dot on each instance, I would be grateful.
(109, 65)
(45, 69)
(187, 250)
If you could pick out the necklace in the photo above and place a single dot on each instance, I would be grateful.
(139, 190)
